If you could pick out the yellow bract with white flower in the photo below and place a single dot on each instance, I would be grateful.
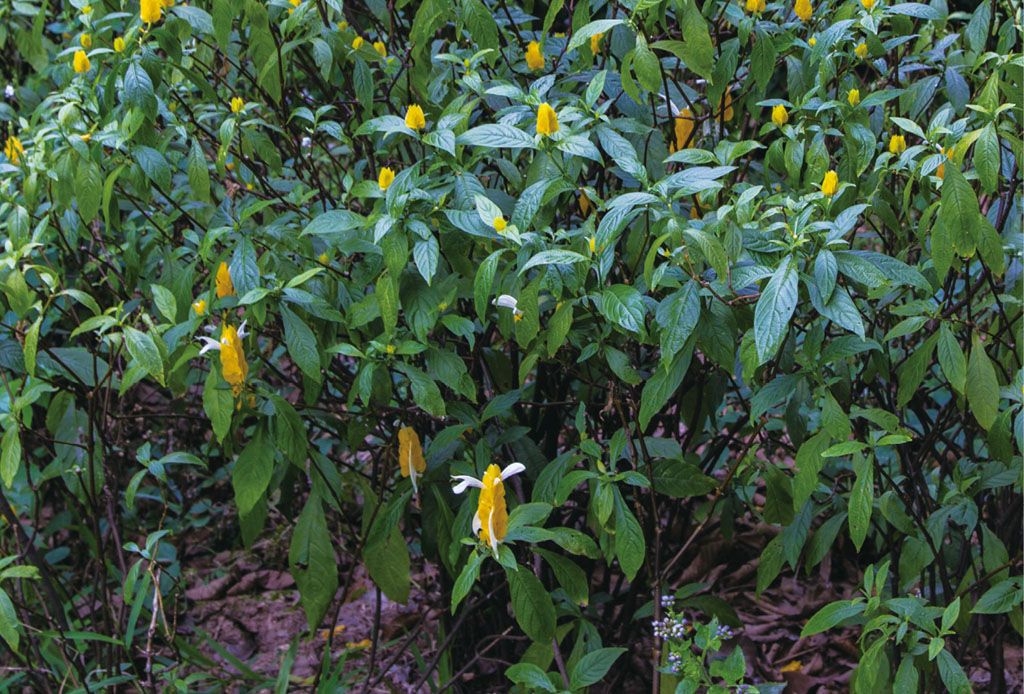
(491, 520)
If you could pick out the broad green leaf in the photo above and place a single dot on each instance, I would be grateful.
(982, 386)
(312, 562)
(301, 343)
(774, 309)
(531, 605)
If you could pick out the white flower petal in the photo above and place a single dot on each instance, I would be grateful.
(672, 106)
(241, 329)
(506, 301)
(210, 343)
(513, 469)
(465, 481)
(477, 525)
(490, 532)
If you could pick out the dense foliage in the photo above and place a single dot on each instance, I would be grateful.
(630, 271)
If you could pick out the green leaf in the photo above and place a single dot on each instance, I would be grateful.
(677, 316)
(986, 158)
(467, 577)
(680, 479)
(663, 383)
(861, 499)
(531, 605)
(165, 302)
(952, 359)
(770, 563)
(1002, 597)
(137, 90)
(774, 309)
(8, 621)
(388, 566)
(10, 455)
(529, 675)
(198, 172)
(572, 578)
(831, 615)
(218, 403)
(630, 546)
(913, 371)
(312, 563)
(623, 305)
(553, 257)
(959, 211)
(494, 135)
(592, 667)
(982, 386)
(251, 473)
(582, 35)
(155, 166)
(952, 674)
(88, 190)
(483, 282)
(425, 392)
(144, 351)
(698, 51)
(762, 61)
(301, 343)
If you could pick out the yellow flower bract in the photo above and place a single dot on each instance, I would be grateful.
(830, 184)
(119, 44)
(86, 41)
(803, 9)
(13, 150)
(81, 62)
(414, 119)
(491, 510)
(779, 115)
(232, 359)
(410, 454)
(861, 50)
(385, 178)
(237, 104)
(897, 144)
(150, 11)
(500, 224)
(534, 56)
(547, 120)
(853, 97)
(225, 287)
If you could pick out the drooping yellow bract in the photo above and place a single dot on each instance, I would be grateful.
(534, 56)
(232, 359)
(357, 43)
(804, 9)
(897, 144)
(595, 43)
(380, 48)
(853, 97)
(779, 115)
(86, 41)
(150, 11)
(237, 104)
(410, 455)
(81, 62)
(225, 287)
(755, 6)
(830, 184)
(547, 120)
(414, 119)
(13, 150)
(491, 520)
(861, 50)
(868, 4)
(811, 41)
(684, 124)
(385, 178)
(592, 243)
(200, 307)
(119, 44)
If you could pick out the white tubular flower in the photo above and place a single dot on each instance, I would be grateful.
(208, 344)
(491, 520)
(508, 301)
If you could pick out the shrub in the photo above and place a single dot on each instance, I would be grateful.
(618, 267)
